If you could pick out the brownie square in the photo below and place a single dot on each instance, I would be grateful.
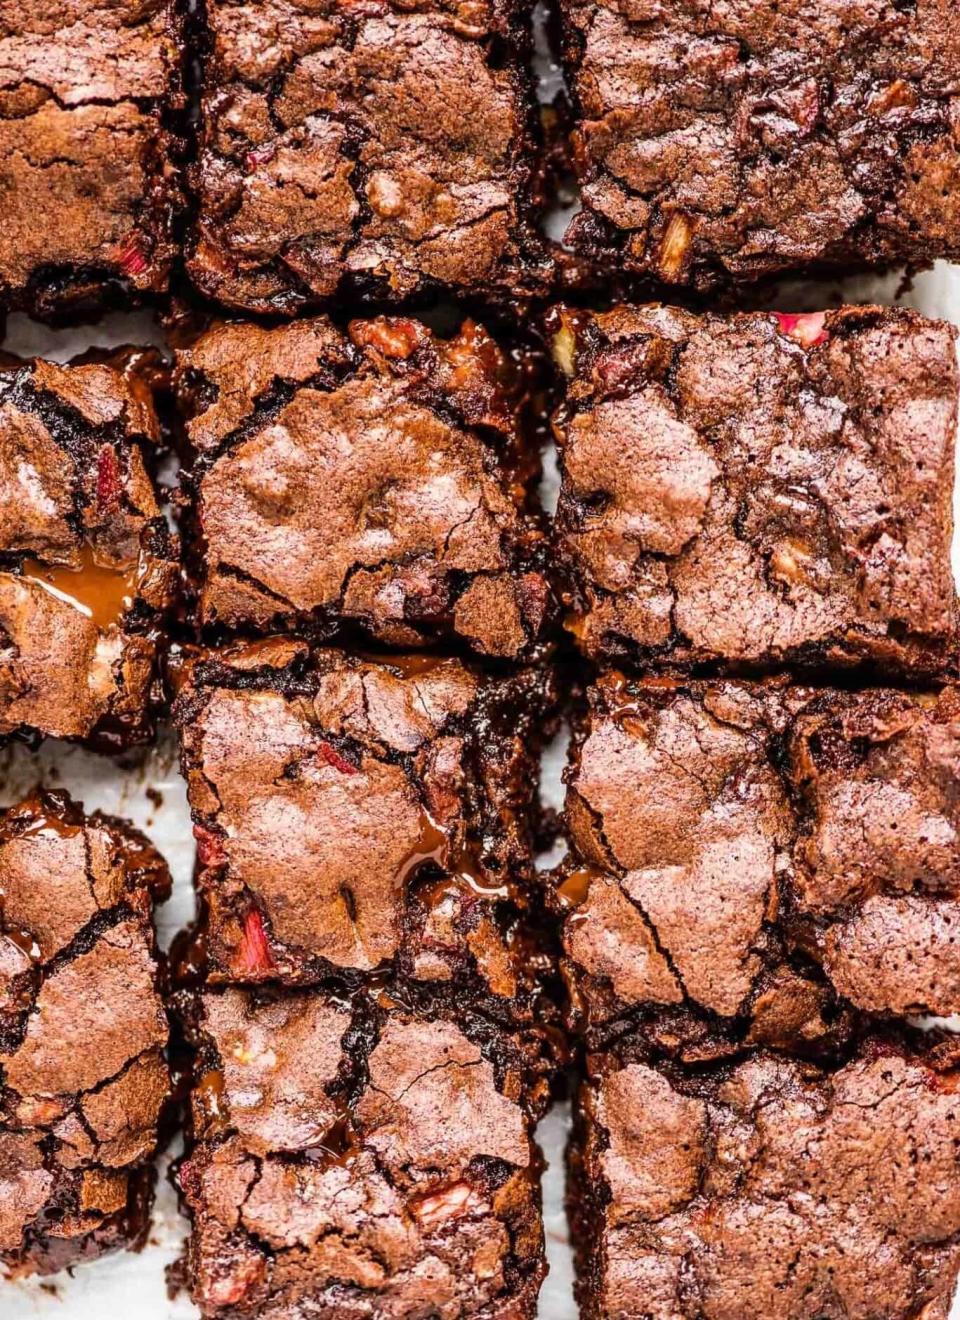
(358, 1159)
(382, 152)
(83, 1078)
(772, 1188)
(751, 862)
(723, 144)
(376, 481)
(356, 816)
(87, 186)
(877, 857)
(87, 566)
(760, 489)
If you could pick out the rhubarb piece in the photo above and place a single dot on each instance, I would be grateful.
(360, 816)
(772, 1188)
(83, 1078)
(757, 863)
(358, 1159)
(759, 490)
(376, 480)
(88, 96)
(88, 566)
(376, 154)
(716, 147)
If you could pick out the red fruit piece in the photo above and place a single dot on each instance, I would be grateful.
(108, 481)
(805, 327)
(131, 258)
(254, 953)
(210, 848)
(259, 156)
(333, 757)
(393, 336)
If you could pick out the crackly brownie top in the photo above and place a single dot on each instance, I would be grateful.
(745, 854)
(355, 814)
(773, 1189)
(82, 1025)
(681, 831)
(877, 876)
(357, 1156)
(738, 140)
(86, 566)
(82, 185)
(759, 488)
(374, 480)
(385, 149)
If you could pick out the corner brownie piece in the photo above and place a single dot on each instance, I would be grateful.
(87, 191)
(375, 480)
(771, 1189)
(87, 566)
(749, 860)
(358, 1160)
(83, 1079)
(759, 489)
(726, 144)
(356, 815)
(386, 153)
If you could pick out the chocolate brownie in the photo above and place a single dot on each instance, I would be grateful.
(719, 145)
(83, 1079)
(358, 1160)
(385, 152)
(750, 860)
(759, 489)
(357, 815)
(87, 566)
(375, 481)
(771, 1188)
(87, 187)
(877, 858)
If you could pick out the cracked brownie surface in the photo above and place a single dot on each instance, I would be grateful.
(358, 815)
(749, 860)
(758, 489)
(358, 1159)
(719, 143)
(87, 566)
(383, 151)
(375, 480)
(83, 1079)
(86, 186)
(770, 1188)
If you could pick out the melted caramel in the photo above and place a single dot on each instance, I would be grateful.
(434, 846)
(208, 1099)
(340, 1145)
(574, 888)
(102, 592)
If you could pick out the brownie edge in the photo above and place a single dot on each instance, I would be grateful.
(84, 1082)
